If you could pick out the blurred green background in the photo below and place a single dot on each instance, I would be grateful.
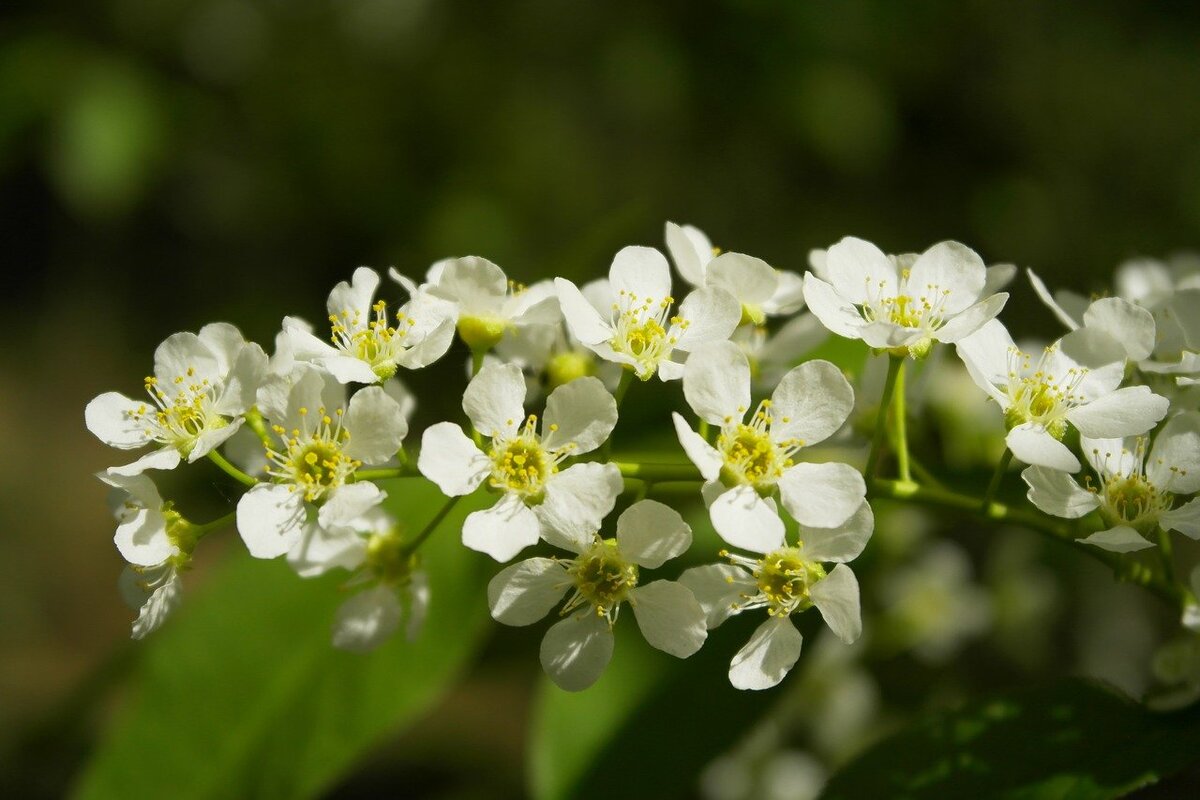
(166, 163)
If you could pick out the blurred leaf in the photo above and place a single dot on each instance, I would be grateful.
(243, 688)
(652, 718)
(1072, 739)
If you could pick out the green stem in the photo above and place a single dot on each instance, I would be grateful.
(405, 470)
(900, 418)
(1167, 553)
(895, 363)
(477, 356)
(446, 508)
(659, 472)
(627, 377)
(924, 475)
(200, 531)
(1129, 571)
(230, 469)
(997, 479)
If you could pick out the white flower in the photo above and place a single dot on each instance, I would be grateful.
(201, 385)
(762, 290)
(752, 458)
(641, 333)
(1165, 337)
(522, 463)
(321, 446)
(1130, 325)
(393, 587)
(604, 574)
(785, 580)
(1137, 491)
(1073, 381)
(905, 308)
(154, 539)
(772, 354)
(486, 303)
(366, 347)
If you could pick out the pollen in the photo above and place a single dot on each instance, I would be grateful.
(312, 460)
(602, 579)
(371, 338)
(181, 413)
(751, 455)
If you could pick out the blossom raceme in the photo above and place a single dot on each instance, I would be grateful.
(365, 346)
(898, 307)
(320, 447)
(603, 575)
(754, 457)
(1141, 486)
(785, 579)
(522, 462)
(760, 289)
(202, 384)
(486, 304)
(1073, 382)
(642, 334)
(392, 589)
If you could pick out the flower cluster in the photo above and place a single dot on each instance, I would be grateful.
(768, 442)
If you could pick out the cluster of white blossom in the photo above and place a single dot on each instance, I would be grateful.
(327, 418)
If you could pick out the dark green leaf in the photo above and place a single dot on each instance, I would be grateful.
(243, 694)
(1072, 739)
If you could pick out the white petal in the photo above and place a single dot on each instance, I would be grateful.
(1121, 539)
(501, 531)
(1132, 326)
(495, 400)
(1109, 457)
(1056, 493)
(951, 270)
(1185, 519)
(859, 269)
(270, 519)
(345, 504)
(836, 597)
(1101, 356)
(716, 382)
(810, 403)
(184, 355)
(835, 312)
(1174, 463)
(576, 502)
(525, 592)
(584, 413)
(1044, 295)
(1127, 411)
(690, 249)
(534, 305)
(641, 273)
(711, 315)
(842, 543)
(584, 321)
(225, 342)
(210, 440)
(166, 458)
(299, 342)
(706, 457)
(158, 606)
(669, 371)
(428, 346)
(822, 495)
(1034, 445)
(745, 520)
(110, 419)
(985, 354)
(242, 382)
(376, 425)
(751, 280)
(669, 617)
(366, 620)
(142, 538)
(650, 533)
(768, 656)
(788, 297)
(354, 297)
(319, 550)
(477, 285)
(719, 589)
(1143, 279)
(796, 338)
(972, 319)
(998, 276)
(576, 650)
(451, 460)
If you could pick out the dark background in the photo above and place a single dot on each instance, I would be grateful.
(166, 163)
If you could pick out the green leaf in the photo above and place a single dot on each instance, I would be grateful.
(652, 716)
(243, 694)
(1073, 739)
